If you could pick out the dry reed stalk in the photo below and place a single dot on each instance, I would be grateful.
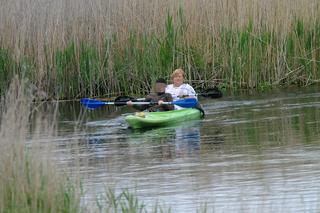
(37, 30)
(28, 24)
(29, 181)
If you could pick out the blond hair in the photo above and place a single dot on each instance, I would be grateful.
(177, 72)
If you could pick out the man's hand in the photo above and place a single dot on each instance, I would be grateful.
(184, 96)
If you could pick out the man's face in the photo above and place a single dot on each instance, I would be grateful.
(160, 87)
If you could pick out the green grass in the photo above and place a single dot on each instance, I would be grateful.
(7, 69)
(241, 57)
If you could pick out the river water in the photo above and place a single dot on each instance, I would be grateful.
(251, 153)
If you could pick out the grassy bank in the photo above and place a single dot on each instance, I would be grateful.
(76, 48)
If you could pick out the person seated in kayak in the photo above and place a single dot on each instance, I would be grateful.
(178, 89)
(159, 96)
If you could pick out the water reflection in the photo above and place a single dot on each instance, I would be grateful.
(172, 142)
(180, 141)
(187, 141)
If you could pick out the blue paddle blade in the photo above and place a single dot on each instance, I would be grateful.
(186, 103)
(91, 103)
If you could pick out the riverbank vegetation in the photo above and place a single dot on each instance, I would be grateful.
(78, 48)
(30, 180)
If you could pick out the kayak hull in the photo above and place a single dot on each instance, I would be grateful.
(160, 119)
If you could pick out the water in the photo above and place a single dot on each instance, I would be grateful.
(251, 153)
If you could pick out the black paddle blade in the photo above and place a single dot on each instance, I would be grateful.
(122, 100)
(212, 93)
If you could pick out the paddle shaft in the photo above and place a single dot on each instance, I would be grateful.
(134, 103)
(91, 103)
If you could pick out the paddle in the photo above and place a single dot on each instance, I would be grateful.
(93, 103)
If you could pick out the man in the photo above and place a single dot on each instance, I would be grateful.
(159, 96)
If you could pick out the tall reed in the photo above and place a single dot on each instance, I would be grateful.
(29, 181)
(79, 48)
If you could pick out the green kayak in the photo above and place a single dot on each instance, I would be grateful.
(159, 119)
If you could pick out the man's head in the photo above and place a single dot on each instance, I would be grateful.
(160, 86)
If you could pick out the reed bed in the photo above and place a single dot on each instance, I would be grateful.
(30, 181)
(78, 48)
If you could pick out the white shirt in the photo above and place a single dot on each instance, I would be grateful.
(180, 91)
